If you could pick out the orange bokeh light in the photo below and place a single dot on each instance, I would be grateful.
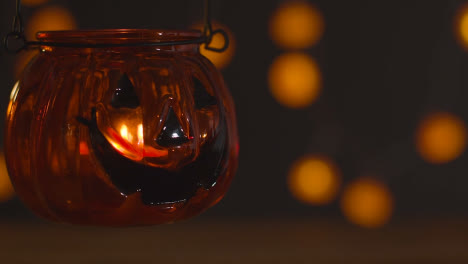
(50, 18)
(441, 138)
(314, 180)
(461, 26)
(220, 59)
(32, 3)
(295, 80)
(367, 202)
(6, 188)
(296, 25)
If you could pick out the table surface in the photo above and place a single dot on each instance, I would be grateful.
(266, 240)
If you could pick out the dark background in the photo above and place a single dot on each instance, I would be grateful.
(385, 65)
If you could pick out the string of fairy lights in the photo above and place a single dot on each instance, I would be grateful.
(295, 81)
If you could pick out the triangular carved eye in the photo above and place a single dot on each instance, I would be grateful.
(124, 95)
(201, 96)
(172, 133)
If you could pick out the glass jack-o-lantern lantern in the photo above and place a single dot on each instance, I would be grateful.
(120, 134)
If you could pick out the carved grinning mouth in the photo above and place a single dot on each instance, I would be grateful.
(157, 185)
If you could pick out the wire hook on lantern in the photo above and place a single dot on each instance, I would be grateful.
(21, 43)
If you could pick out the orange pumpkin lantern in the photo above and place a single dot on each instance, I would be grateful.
(120, 135)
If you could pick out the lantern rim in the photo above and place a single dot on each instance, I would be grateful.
(117, 36)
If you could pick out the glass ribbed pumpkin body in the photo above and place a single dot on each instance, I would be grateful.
(120, 136)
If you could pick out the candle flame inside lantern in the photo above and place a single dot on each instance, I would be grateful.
(140, 134)
(124, 132)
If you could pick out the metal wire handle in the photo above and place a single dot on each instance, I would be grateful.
(17, 34)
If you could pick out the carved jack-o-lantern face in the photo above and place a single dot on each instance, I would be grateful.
(168, 158)
(121, 135)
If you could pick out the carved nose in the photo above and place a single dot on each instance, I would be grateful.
(172, 133)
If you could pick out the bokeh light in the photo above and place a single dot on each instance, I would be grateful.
(441, 138)
(295, 80)
(49, 18)
(461, 26)
(220, 59)
(32, 3)
(314, 180)
(296, 25)
(6, 188)
(367, 202)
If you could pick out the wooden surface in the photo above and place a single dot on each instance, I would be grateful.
(241, 241)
